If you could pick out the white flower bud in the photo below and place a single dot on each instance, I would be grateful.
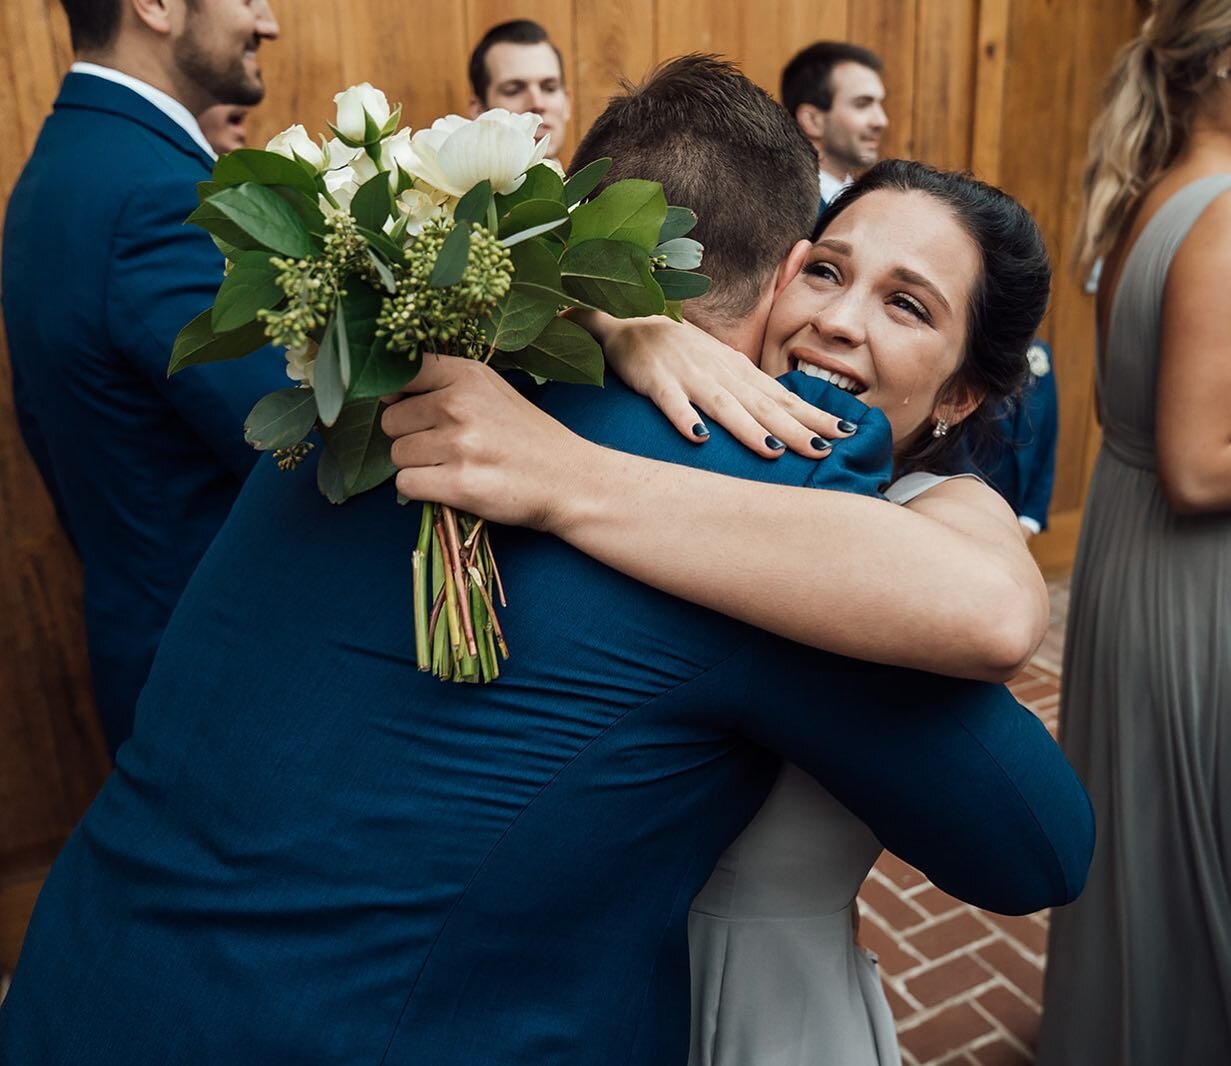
(357, 104)
(294, 143)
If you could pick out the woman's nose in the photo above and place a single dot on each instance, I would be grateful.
(840, 321)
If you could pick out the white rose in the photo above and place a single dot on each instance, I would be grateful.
(342, 185)
(364, 167)
(301, 362)
(294, 143)
(396, 154)
(338, 154)
(455, 154)
(355, 106)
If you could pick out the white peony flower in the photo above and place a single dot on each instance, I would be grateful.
(301, 362)
(294, 143)
(419, 207)
(455, 154)
(354, 104)
(1039, 363)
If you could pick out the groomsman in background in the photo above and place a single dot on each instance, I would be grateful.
(836, 95)
(516, 66)
(100, 274)
(223, 126)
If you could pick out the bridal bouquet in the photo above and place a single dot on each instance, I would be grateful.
(360, 253)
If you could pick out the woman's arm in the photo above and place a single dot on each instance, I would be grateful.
(945, 585)
(1193, 422)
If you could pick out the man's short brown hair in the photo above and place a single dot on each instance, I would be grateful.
(721, 146)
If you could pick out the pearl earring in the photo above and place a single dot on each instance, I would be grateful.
(1223, 73)
(941, 427)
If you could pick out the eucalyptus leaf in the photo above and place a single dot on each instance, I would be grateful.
(542, 183)
(198, 343)
(265, 217)
(280, 419)
(305, 207)
(675, 310)
(229, 251)
(374, 370)
(327, 375)
(557, 297)
(632, 210)
(359, 448)
(586, 180)
(383, 272)
(451, 260)
(251, 286)
(329, 477)
(613, 276)
(681, 284)
(563, 352)
(530, 214)
(220, 226)
(372, 205)
(265, 168)
(537, 264)
(533, 231)
(384, 244)
(473, 206)
(679, 221)
(519, 319)
(683, 253)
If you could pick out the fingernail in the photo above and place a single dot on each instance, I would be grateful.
(699, 430)
(820, 443)
(846, 427)
(773, 442)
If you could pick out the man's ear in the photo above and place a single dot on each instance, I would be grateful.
(153, 14)
(810, 119)
(476, 107)
(790, 266)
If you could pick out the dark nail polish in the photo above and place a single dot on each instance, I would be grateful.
(845, 426)
(820, 443)
(773, 442)
(699, 430)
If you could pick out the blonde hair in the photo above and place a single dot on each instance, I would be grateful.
(1157, 81)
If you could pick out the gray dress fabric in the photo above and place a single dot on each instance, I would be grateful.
(777, 978)
(1139, 970)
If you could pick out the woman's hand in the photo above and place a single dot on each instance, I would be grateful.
(685, 371)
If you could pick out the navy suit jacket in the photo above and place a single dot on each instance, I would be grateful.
(100, 274)
(309, 852)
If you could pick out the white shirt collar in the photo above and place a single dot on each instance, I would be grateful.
(168, 105)
(831, 186)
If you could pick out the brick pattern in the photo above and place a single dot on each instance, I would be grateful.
(965, 986)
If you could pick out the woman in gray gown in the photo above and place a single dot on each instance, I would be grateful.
(1139, 970)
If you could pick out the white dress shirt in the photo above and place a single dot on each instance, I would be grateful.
(168, 105)
(831, 186)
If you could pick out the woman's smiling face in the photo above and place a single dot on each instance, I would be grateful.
(880, 306)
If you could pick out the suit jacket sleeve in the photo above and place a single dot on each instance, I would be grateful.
(163, 274)
(1040, 473)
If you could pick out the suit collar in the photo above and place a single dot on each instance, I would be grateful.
(89, 93)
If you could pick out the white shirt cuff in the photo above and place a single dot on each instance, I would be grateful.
(1030, 523)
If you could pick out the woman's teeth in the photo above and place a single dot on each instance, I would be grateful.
(841, 380)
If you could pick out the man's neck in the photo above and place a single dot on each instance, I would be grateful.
(834, 170)
(144, 65)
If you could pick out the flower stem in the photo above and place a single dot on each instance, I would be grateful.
(459, 578)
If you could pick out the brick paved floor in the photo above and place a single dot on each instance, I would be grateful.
(965, 985)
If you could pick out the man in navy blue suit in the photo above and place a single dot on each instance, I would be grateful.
(310, 852)
(100, 274)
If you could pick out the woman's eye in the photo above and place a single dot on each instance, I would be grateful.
(911, 306)
(821, 270)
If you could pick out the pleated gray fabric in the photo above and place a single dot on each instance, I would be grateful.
(1139, 970)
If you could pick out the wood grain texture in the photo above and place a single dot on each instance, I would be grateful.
(1005, 86)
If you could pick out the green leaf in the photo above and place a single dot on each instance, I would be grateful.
(383, 272)
(613, 276)
(473, 206)
(530, 214)
(683, 253)
(632, 210)
(384, 244)
(519, 318)
(675, 310)
(451, 260)
(250, 286)
(534, 231)
(219, 226)
(557, 297)
(228, 250)
(206, 189)
(329, 477)
(563, 352)
(265, 218)
(679, 221)
(280, 419)
(373, 203)
(535, 263)
(681, 284)
(264, 168)
(374, 370)
(542, 183)
(307, 210)
(359, 449)
(198, 343)
(327, 375)
(586, 180)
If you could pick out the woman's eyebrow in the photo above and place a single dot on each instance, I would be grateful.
(834, 245)
(912, 278)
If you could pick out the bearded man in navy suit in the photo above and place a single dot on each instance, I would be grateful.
(311, 852)
(100, 274)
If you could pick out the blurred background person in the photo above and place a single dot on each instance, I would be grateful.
(223, 127)
(515, 66)
(1139, 972)
(834, 91)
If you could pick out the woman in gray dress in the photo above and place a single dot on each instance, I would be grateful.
(1139, 970)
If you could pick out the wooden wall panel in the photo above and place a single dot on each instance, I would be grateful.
(942, 120)
(888, 28)
(614, 39)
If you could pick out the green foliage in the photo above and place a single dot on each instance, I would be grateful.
(451, 260)
(374, 370)
(631, 210)
(251, 286)
(264, 168)
(198, 343)
(373, 203)
(679, 221)
(613, 276)
(542, 183)
(251, 216)
(563, 352)
(357, 450)
(586, 180)
(473, 206)
(530, 214)
(682, 284)
(305, 207)
(332, 369)
(280, 419)
(680, 253)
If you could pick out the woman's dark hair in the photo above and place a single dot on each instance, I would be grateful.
(1006, 304)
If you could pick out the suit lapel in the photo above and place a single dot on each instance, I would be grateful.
(89, 93)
